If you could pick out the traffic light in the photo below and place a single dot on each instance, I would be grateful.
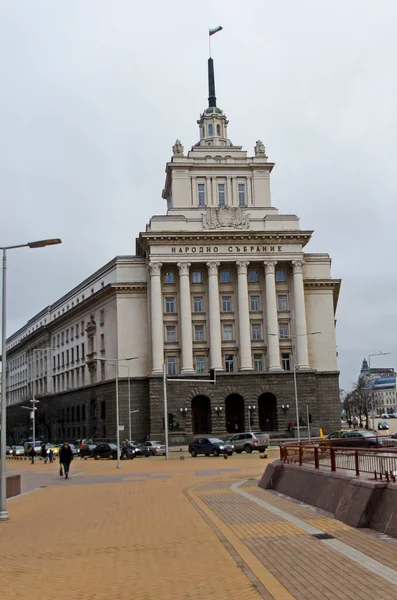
(212, 377)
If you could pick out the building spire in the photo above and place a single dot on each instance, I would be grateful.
(211, 84)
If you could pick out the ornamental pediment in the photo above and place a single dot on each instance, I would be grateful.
(225, 217)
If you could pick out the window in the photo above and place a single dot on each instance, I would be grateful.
(103, 409)
(282, 302)
(72, 355)
(53, 362)
(201, 194)
(67, 335)
(62, 337)
(102, 317)
(255, 303)
(199, 333)
(286, 362)
(58, 361)
(221, 194)
(225, 277)
(226, 304)
(83, 412)
(241, 194)
(258, 363)
(82, 352)
(197, 277)
(63, 359)
(256, 331)
(228, 333)
(77, 330)
(169, 277)
(229, 363)
(218, 130)
(171, 365)
(82, 327)
(200, 364)
(284, 331)
(102, 342)
(77, 353)
(170, 305)
(197, 304)
(210, 130)
(281, 276)
(253, 276)
(170, 334)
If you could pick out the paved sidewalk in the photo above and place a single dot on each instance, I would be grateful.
(297, 552)
(192, 529)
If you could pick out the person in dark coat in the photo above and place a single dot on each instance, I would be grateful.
(32, 454)
(44, 455)
(65, 458)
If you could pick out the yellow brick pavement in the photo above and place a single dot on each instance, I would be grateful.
(93, 538)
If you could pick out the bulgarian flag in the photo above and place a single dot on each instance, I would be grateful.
(215, 30)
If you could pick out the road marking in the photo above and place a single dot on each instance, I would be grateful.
(266, 578)
(359, 557)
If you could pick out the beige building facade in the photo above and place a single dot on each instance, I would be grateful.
(221, 281)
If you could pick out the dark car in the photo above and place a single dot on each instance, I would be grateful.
(383, 425)
(140, 449)
(209, 446)
(105, 451)
(357, 439)
(86, 450)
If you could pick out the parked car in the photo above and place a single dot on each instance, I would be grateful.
(384, 416)
(356, 438)
(392, 416)
(209, 446)
(55, 449)
(72, 447)
(155, 448)
(382, 425)
(140, 449)
(249, 441)
(9, 450)
(18, 451)
(105, 451)
(86, 450)
(335, 435)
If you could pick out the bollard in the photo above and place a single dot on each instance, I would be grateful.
(333, 462)
(316, 460)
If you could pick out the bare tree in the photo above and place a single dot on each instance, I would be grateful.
(359, 401)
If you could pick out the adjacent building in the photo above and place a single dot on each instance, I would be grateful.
(221, 281)
(382, 384)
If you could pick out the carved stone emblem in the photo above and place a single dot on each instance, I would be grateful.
(232, 217)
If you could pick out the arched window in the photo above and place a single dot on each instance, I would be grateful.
(210, 130)
(218, 130)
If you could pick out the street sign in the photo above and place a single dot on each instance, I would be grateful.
(121, 427)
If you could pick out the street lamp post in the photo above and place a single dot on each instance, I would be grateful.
(372, 388)
(3, 482)
(116, 364)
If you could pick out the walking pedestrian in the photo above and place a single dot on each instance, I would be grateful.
(51, 456)
(44, 455)
(65, 458)
(355, 422)
(32, 454)
(349, 422)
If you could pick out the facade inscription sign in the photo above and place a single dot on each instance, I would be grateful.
(230, 249)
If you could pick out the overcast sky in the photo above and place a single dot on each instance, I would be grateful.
(95, 92)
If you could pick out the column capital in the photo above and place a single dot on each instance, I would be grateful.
(184, 268)
(297, 266)
(213, 267)
(242, 266)
(155, 268)
(270, 265)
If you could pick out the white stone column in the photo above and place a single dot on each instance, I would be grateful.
(186, 318)
(271, 317)
(214, 192)
(156, 317)
(208, 191)
(301, 352)
(229, 196)
(244, 317)
(235, 191)
(194, 191)
(215, 317)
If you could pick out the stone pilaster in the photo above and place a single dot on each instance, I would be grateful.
(244, 317)
(274, 363)
(215, 317)
(301, 350)
(186, 318)
(156, 312)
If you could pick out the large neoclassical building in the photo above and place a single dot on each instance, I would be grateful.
(221, 281)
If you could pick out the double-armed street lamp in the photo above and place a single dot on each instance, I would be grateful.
(3, 482)
(116, 362)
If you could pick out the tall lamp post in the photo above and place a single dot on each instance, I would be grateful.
(3, 482)
(298, 431)
(372, 388)
(116, 364)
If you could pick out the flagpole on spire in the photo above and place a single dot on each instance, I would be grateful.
(209, 41)
(212, 32)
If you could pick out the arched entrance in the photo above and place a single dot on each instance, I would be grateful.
(267, 409)
(234, 409)
(201, 414)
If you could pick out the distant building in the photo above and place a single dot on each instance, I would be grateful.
(382, 382)
(221, 281)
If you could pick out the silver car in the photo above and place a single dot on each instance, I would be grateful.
(249, 441)
(155, 448)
